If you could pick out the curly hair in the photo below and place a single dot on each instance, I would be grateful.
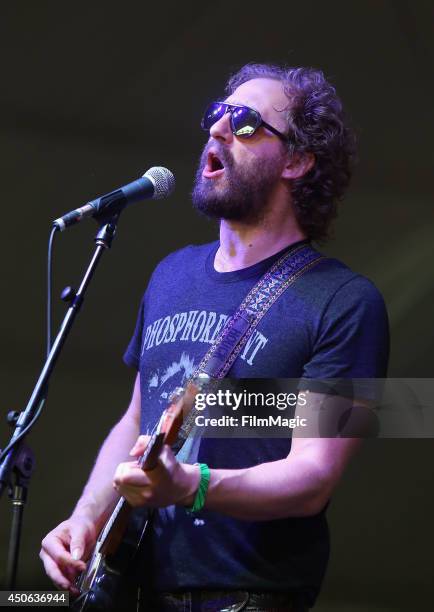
(317, 125)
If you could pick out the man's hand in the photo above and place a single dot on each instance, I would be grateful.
(64, 548)
(169, 483)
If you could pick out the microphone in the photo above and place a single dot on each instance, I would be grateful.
(155, 184)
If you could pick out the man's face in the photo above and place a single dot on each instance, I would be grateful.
(237, 176)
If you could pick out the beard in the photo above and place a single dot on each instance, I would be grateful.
(242, 193)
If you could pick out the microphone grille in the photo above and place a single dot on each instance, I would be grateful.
(163, 180)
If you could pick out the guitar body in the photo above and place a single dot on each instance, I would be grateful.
(105, 584)
(103, 592)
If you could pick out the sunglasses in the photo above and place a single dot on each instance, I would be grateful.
(245, 121)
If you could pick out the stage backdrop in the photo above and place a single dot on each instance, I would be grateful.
(92, 95)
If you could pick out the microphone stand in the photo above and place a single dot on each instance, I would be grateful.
(19, 460)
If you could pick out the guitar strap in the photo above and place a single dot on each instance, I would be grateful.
(233, 337)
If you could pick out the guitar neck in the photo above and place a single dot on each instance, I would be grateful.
(167, 431)
(114, 529)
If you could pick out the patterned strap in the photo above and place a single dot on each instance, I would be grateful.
(233, 337)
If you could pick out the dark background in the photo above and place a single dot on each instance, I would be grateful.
(94, 94)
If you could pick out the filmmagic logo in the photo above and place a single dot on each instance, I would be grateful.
(250, 421)
(229, 399)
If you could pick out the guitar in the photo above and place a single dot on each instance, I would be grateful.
(102, 584)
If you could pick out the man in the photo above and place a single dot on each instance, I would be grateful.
(277, 160)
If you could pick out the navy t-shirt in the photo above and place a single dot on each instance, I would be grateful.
(331, 323)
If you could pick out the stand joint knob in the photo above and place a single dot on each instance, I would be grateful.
(68, 294)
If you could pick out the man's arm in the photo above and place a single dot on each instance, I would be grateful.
(99, 498)
(74, 538)
(302, 483)
(298, 485)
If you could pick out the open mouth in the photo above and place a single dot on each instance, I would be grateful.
(214, 166)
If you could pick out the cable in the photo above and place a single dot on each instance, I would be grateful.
(49, 285)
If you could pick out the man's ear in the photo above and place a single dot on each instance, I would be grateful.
(298, 165)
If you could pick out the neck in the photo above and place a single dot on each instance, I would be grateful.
(242, 245)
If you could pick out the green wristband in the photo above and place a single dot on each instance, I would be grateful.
(199, 499)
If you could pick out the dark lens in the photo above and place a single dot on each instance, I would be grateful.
(213, 113)
(245, 121)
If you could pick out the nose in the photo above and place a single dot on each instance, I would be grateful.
(221, 130)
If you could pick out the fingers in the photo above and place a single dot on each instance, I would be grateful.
(62, 579)
(56, 545)
(140, 446)
(162, 486)
(131, 482)
(61, 567)
(83, 537)
(167, 457)
(128, 473)
(53, 572)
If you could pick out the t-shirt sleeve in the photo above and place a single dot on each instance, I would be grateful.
(351, 348)
(132, 354)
